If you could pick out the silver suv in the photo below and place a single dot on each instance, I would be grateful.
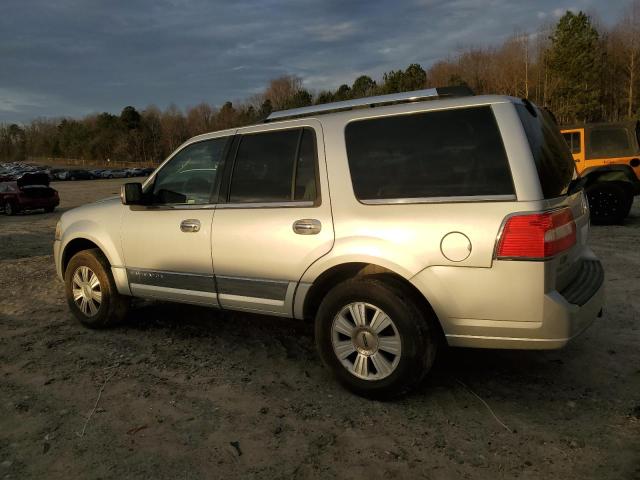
(396, 223)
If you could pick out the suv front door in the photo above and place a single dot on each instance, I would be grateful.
(274, 216)
(167, 243)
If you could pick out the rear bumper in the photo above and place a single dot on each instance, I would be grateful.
(503, 315)
(562, 322)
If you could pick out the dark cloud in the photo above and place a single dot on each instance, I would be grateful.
(72, 57)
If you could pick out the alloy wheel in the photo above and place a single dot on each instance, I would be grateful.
(87, 293)
(366, 341)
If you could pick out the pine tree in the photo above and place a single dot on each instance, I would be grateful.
(574, 62)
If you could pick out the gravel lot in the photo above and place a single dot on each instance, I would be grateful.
(187, 392)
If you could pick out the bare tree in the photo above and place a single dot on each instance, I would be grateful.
(281, 90)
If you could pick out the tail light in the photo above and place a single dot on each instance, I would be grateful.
(537, 236)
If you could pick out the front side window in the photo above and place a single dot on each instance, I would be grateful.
(278, 166)
(190, 176)
(610, 142)
(447, 153)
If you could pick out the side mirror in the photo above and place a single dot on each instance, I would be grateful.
(131, 194)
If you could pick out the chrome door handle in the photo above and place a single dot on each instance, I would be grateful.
(190, 225)
(307, 226)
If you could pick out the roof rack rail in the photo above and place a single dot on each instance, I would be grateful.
(379, 100)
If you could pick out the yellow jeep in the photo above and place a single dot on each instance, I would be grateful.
(607, 157)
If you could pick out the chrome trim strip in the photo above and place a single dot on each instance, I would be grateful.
(175, 294)
(521, 339)
(458, 199)
(233, 288)
(177, 206)
(245, 299)
(266, 205)
(252, 287)
(174, 280)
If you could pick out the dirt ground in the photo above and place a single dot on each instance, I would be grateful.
(183, 392)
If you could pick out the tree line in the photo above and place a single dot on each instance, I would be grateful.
(578, 69)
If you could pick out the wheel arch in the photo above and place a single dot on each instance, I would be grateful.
(77, 245)
(344, 271)
(624, 175)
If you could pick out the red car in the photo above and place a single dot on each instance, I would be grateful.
(29, 192)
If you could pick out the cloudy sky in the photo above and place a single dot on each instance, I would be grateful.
(74, 57)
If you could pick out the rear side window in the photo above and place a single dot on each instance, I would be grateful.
(277, 166)
(610, 142)
(447, 153)
(551, 154)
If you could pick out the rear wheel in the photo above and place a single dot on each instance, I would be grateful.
(609, 203)
(375, 339)
(91, 292)
(10, 208)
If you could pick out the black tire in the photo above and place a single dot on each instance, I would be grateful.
(49, 209)
(415, 328)
(113, 307)
(609, 203)
(10, 208)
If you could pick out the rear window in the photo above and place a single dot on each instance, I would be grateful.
(610, 142)
(551, 154)
(448, 153)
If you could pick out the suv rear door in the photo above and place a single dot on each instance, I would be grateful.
(273, 218)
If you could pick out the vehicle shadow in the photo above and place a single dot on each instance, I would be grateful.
(501, 370)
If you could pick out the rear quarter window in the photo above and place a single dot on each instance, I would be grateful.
(550, 151)
(447, 153)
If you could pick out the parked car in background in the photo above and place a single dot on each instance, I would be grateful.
(607, 157)
(14, 170)
(147, 171)
(29, 192)
(79, 174)
(425, 218)
(97, 173)
(116, 173)
(134, 172)
(58, 174)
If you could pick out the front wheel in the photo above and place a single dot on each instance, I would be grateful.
(91, 291)
(375, 339)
